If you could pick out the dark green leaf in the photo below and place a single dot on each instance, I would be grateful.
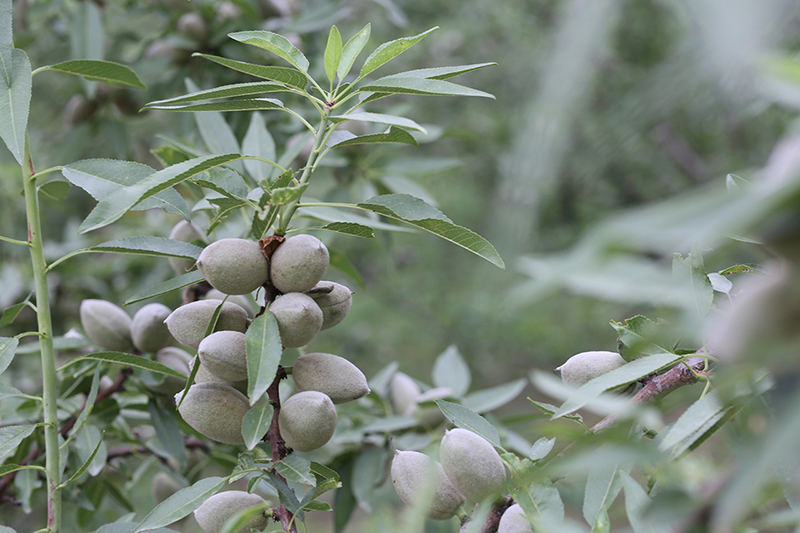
(296, 469)
(147, 245)
(333, 53)
(126, 359)
(286, 75)
(277, 44)
(8, 468)
(8, 347)
(379, 118)
(11, 436)
(87, 462)
(55, 189)
(350, 228)
(256, 423)
(163, 416)
(420, 86)
(394, 135)
(167, 286)
(416, 212)
(112, 207)
(693, 424)
(224, 91)
(15, 99)
(351, 50)
(263, 342)
(9, 315)
(388, 51)
(464, 418)
(99, 70)
(180, 504)
(251, 104)
(342, 263)
(89, 403)
(635, 335)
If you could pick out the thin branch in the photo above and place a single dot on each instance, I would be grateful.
(278, 447)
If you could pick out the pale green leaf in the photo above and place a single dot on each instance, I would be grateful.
(87, 38)
(351, 49)
(394, 135)
(59, 344)
(369, 470)
(541, 448)
(333, 53)
(6, 391)
(9, 315)
(164, 287)
(693, 424)
(6, 27)
(15, 99)
(255, 424)
(420, 86)
(88, 461)
(250, 104)
(8, 347)
(258, 142)
(180, 504)
(335, 215)
(277, 44)
(285, 75)
(215, 131)
(467, 419)
(296, 469)
(388, 51)
(224, 91)
(486, 400)
(602, 487)
(263, 346)
(350, 228)
(148, 245)
(379, 118)
(126, 359)
(451, 371)
(54, 190)
(99, 70)
(12, 436)
(163, 416)
(439, 73)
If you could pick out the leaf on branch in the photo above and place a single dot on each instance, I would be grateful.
(467, 419)
(99, 70)
(388, 51)
(224, 91)
(15, 99)
(148, 245)
(250, 104)
(277, 44)
(8, 348)
(351, 49)
(394, 135)
(333, 53)
(420, 86)
(164, 287)
(263, 348)
(379, 118)
(12, 436)
(255, 424)
(180, 504)
(350, 228)
(126, 359)
(439, 73)
(285, 75)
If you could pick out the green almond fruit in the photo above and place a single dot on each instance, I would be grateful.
(218, 509)
(176, 359)
(224, 354)
(214, 410)
(106, 325)
(189, 322)
(584, 367)
(330, 374)
(148, 331)
(185, 232)
(299, 318)
(307, 421)
(472, 464)
(234, 266)
(514, 521)
(298, 264)
(403, 394)
(334, 299)
(413, 472)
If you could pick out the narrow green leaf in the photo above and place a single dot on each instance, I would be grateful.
(9, 315)
(451, 371)
(8, 468)
(439, 73)
(127, 527)
(126, 359)
(86, 464)
(335, 215)
(59, 344)
(240, 520)
(116, 204)
(379, 118)
(417, 213)
(342, 263)
(263, 345)
(180, 504)
(486, 400)
(351, 49)
(11, 436)
(89, 403)
(369, 470)
(15, 99)
(350, 228)
(87, 38)
(258, 142)
(277, 44)
(693, 424)
(390, 424)
(316, 505)
(333, 53)
(296, 469)
(170, 285)
(388, 51)
(102, 177)
(99, 70)
(602, 487)
(148, 245)
(420, 86)
(250, 104)
(8, 347)
(286, 75)
(256, 423)
(467, 419)
(217, 134)
(7, 391)
(224, 91)
(167, 431)
(394, 135)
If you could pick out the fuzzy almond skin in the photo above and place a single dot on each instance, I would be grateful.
(584, 367)
(298, 264)
(176, 359)
(106, 325)
(189, 322)
(330, 374)
(403, 392)
(299, 318)
(185, 232)
(234, 266)
(514, 521)
(307, 420)
(148, 331)
(412, 472)
(215, 410)
(472, 464)
(215, 511)
(335, 304)
(224, 354)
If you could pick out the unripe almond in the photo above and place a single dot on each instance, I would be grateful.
(413, 471)
(204, 376)
(404, 392)
(299, 318)
(239, 299)
(472, 464)
(307, 420)
(185, 232)
(584, 367)
(214, 410)
(335, 376)
(514, 521)
(215, 511)
(148, 331)
(176, 359)
(224, 354)
(334, 299)
(298, 264)
(189, 322)
(164, 486)
(106, 325)
(234, 266)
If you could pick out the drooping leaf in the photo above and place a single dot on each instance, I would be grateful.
(439, 73)
(393, 135)
(258, 142)
(333, 53)
(8, 348)
(256, 423)
(451, 371)
(420, 86)
(263, 345)
(417, 213)
(224, 91)
(485, 400)
(335, 215)
(126, 359)
(180, 504)
(59, 344)
(116, 204)
(148, 245)
(12, 436)
(15, 99)
(636, 504)
(388, 51)
(467, 419)
(277, 44)
(351, 49)
(90, 399)
(8, 468)
(350, 228)
(99, 70)
(249, 104)
(286, 75)
(379, 118)
(170, 285)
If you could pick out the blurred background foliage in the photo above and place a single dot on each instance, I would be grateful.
(601, 106)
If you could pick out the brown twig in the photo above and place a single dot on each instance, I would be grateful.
(493, 518)
(278, 446)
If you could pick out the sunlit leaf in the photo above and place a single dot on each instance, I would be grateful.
(263, 346)
(379, 118)
(286, 75)
(333, 53)
(388, 51)
(251, 104)
(420, 86)
(351, 49)
(277, 44)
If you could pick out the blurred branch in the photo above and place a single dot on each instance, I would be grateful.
(680, 151)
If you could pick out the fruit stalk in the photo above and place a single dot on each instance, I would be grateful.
(45, 324)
